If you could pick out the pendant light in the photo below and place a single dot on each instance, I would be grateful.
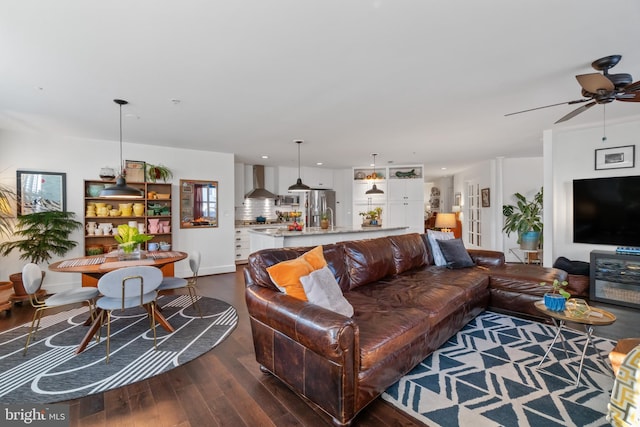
(121, 189)
(299, 186)
(374, 189)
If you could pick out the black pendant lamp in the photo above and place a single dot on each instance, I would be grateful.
(299, 186)
(121, 189)
(374, 189)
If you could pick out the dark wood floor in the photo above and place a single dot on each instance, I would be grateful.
(224, 387)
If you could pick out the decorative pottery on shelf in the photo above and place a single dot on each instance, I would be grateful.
(154, 225)
(107, 174)
(554, 302)
(93, 190)
(138, 209)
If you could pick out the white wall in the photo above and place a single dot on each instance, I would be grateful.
(82, 159)
(573, 157)
(503, 177)
(520, 175)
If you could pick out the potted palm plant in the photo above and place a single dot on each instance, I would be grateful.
(525, 218)
(39, 236)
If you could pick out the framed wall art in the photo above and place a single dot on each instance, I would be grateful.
(41, 191)
(135, 170)
(486, 200)
(616, 157)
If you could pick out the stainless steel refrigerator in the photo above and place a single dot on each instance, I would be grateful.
(321, 202)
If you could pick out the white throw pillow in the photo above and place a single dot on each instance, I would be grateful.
(433, 237)
(322, 289)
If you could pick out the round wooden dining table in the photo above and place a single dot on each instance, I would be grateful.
(95, 266)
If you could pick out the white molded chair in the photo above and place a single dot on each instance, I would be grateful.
(32, 281)
(169, 283)
(126, 288)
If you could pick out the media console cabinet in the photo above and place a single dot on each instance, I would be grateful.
(615, 278)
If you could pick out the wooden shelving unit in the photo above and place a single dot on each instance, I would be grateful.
(154, 208)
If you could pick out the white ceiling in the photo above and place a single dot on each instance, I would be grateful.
(415, 81)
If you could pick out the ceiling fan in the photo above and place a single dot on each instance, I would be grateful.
(599, 88)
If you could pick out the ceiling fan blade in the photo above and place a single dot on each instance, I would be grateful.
(576, 112)
(594, 82)
(629, 97)
(577, 101)
(633, 87)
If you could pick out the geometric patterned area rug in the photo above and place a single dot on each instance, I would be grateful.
(487, 375)
(52, 372)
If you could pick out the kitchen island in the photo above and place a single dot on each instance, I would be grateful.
(267, 238)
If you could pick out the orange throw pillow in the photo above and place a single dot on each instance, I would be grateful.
(315, 258)
(286, 274)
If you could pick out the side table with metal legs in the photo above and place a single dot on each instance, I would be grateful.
(597, 317)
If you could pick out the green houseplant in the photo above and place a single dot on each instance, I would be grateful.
(156, 172)
(129, 240)
(39, 236)
(371, 217)
(525, 219)
(556, 300)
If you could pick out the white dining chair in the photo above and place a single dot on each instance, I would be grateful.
(32, 281)
(126, 288)
(172, 282)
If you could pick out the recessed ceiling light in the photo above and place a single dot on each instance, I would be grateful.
(443, 168)
(319, 163)
(264, 156)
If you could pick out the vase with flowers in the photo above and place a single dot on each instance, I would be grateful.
(129, 240)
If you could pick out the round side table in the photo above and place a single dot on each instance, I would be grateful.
(596, 317)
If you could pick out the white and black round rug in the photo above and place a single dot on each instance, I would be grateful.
(52, 372)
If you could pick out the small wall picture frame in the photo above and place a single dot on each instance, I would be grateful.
(135, 170)
(457, 199)
(615, 157)
(485, 196)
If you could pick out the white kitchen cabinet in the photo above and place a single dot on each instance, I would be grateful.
(317, 177)
(360, 188)
(406, 189)
(241, 245)
(286, 176)
(407, 213)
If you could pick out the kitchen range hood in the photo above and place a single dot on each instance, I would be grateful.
(259, 192)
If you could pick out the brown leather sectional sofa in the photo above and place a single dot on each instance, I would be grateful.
(405, 308)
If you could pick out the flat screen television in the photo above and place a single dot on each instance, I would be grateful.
(606, 211)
